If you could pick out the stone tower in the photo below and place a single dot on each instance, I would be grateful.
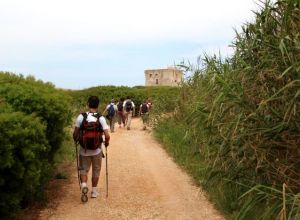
(163, 77)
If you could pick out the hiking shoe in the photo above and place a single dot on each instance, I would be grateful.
(94, 194)
(84, 188)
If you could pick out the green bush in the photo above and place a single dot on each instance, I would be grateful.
(33, 117)
(30, 96)
(106, 93)
(23, 160)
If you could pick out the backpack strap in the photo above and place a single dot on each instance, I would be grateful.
(84, 114)
(98, 115)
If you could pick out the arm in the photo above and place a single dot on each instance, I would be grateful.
(76, 131)
(124, 107)
(133, 110)
(105, 130)
(76, 134)
(140, 111)
(105, 110)
(107, 138)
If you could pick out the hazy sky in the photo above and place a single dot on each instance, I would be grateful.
(82, 43)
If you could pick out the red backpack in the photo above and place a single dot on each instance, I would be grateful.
(91, 132)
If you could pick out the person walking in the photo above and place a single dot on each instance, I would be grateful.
(89, 129)
(129, 110)
(111, 110)
(121, 116)
(150, 104)
(144, 113)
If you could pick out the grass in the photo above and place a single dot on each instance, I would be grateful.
(236, 123)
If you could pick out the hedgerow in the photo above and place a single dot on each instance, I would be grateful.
(31, 96)
(24, 164)
(138, 94)
(33, 116)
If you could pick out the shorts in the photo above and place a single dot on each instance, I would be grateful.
(145, 118)
(85, 163)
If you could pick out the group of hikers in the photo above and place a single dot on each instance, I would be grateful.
(91, 127)
(123, 110)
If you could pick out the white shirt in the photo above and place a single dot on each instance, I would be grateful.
(90, 118)
(146, 104)
(115, 107)
(124, 103)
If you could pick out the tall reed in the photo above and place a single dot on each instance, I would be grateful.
(241, 114)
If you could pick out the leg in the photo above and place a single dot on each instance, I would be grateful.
(126, 118)
(96, 168)
(145, 120)
(119, 118)
(83, 178)
(129, 115)
(113, 120)
(85, 164)
(84, 167)
(123, 119)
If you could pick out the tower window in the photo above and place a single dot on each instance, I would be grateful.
(156, 81)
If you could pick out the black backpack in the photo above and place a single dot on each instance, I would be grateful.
(90, 133)
(128, 106)
(144, 108)
(111, 111)
(120, 106)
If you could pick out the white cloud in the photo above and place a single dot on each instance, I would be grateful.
(98, 21)
(57, 39)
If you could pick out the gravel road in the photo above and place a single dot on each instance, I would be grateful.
(144, 183)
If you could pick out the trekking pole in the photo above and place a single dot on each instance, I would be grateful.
(77, 164)
(106, 172)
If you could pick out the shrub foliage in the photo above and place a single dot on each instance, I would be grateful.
(138, 94)
(33, 116)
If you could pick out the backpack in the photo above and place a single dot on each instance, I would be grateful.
(90, 133)
(120, 106)
(111, 111)
(128, 106)
(144, 108)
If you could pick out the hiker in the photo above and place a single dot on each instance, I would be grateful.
(121, 116)
(111, 110)
(150, 104)
(144, 113)
(90, 144)
(129, 110)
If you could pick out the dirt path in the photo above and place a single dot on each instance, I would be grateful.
(144, 183)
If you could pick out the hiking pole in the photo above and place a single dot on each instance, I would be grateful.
(78, 175)
(106, 172)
